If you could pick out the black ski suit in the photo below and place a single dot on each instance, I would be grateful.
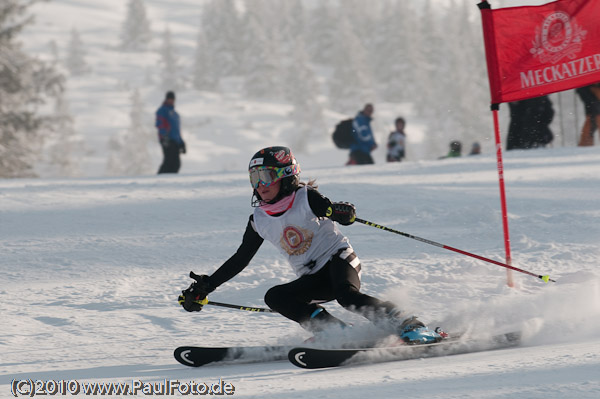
(298, 300)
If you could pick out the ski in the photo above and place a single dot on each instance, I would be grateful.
(196, 356)
(315, 358)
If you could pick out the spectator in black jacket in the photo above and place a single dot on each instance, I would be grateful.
(590, 95)
(530, 123)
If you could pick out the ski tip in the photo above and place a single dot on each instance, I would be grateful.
(547, 278)
(182, 355)
(296, 357)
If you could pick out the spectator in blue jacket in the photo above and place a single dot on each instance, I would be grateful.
(169, 135)
(364, 140)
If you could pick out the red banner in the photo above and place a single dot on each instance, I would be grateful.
(536, 50)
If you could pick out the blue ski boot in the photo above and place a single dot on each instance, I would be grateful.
(414, 332)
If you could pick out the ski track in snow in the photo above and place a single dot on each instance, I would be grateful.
(91, 269)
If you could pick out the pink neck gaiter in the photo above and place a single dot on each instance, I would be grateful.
(280, 206)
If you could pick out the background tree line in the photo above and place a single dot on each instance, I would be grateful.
(314, 55)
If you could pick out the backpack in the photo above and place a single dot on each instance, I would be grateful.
(343, 135)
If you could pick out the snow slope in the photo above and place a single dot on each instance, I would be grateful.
(91, 269)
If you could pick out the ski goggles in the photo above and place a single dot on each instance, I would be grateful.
(268, 175)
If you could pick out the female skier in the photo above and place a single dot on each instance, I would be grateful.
(299, 221)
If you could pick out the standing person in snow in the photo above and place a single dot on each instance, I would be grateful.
(302, 224)
(169, 135)
(530, 123)
(396, 142)
(475, 148)
(590, 95)
(364, 140)
(455, 150)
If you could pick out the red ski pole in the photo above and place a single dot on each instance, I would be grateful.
(544, 278)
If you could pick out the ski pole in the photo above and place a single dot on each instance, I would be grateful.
(544, 278)
(205, 301)
(238, 307)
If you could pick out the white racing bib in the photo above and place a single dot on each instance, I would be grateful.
(307, 241)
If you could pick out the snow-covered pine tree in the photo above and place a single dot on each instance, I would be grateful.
(204, 75)
(321, 32)
(75, 60)
(222, 31)
(453, 94)
(470, 112)
(54, 51)
(361, 14)
(169, 62)
(301, 90)
(389, 51)
(431, 75)
(64, 146)
(261, 65)
(129, 154)
(135, 31)
(26, 84)
(290, 23)
(351, 84)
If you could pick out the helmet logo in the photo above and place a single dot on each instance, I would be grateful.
(283, 157)
(256, 162)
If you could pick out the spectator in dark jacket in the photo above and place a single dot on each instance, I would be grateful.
(475, 149)
(590, 95)
(364, 141)
(530, 123)
(455, 150)
(169, 135)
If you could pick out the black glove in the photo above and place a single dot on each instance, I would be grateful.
(342, 212)
(182, 148)
(192, 298)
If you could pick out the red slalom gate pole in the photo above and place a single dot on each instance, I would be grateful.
(509, 277)
(544, 278)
